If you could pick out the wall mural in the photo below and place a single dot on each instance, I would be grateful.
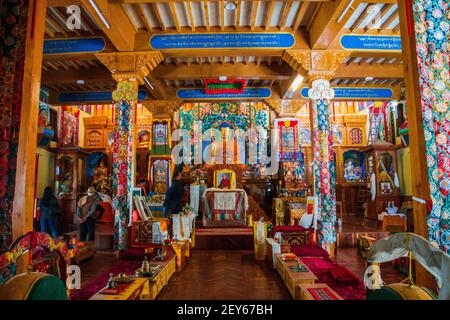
(431, 29)
(14, 17)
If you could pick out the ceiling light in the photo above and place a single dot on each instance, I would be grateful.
(230, 6)
(99, 13)
(81, 82)
(369, 79)
(223, 78)
(148, 83)
(296, 83)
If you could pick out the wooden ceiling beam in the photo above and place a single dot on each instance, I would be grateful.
(121, 31)
(255, 6)
(238, 16)
(206, 9)
(231, 70)
(222, 15)
(191, 16)
(62, 76)
(141, 12)
(369, 70)
(301, 14)
(285, 14)
(155, 9)
(173, 11)
(268, 17)
(329, 21)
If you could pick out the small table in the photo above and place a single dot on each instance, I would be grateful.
(136, 291)
(305, 293)
(291, 278)
(145, 288)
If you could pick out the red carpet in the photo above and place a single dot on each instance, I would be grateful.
(339, 278)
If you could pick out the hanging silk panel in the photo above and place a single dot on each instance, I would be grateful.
(160, 173)
(122, 170)
(288, 139)
(431, 21)
(325, 172)
(68, 136)
(13, 26)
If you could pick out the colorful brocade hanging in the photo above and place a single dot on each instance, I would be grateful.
(432, 27)
(14, 22)
(122, 164)
(324, 172)
(324, 165)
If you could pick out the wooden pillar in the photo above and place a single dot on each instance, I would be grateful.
(321, 65)
(23, 205)
(419, 167)
(129, 69)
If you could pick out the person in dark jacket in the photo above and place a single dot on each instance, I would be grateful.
(173, 202)
(49, 212)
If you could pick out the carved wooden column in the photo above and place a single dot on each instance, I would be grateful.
(129, 70)
(320, 67)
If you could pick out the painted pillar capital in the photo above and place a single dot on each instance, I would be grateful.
(320, 90)
(130, 65)
(318, 64)
(162, 107)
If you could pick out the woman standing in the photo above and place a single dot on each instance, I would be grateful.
(49, 212)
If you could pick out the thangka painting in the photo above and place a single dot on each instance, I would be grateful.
(160, 175)
(97, 172)
(288, 140)
(143, 139)
(353, 165)
(305, 136)
(69, 126)
(44, 115)
(161, 137)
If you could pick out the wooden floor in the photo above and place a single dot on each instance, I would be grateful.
(231, 275)
(225, 275)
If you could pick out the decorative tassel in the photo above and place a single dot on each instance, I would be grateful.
(396, 181)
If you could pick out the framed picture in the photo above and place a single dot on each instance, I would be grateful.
(225, 179)
(385, 187)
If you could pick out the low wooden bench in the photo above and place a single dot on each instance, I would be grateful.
(291, 278)
(322, 292)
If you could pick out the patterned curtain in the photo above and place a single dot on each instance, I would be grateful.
(13, 25)
(431, 19)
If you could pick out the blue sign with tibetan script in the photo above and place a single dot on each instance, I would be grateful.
(222, 41)
(74, 45)
(92, 96)
(358, 93)
(200, 94)
(362, 42)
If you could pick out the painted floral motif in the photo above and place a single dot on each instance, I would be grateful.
(432, 26)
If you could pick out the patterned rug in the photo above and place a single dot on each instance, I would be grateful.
(223, 231)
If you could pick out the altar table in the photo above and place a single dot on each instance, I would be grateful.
(224, 207)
